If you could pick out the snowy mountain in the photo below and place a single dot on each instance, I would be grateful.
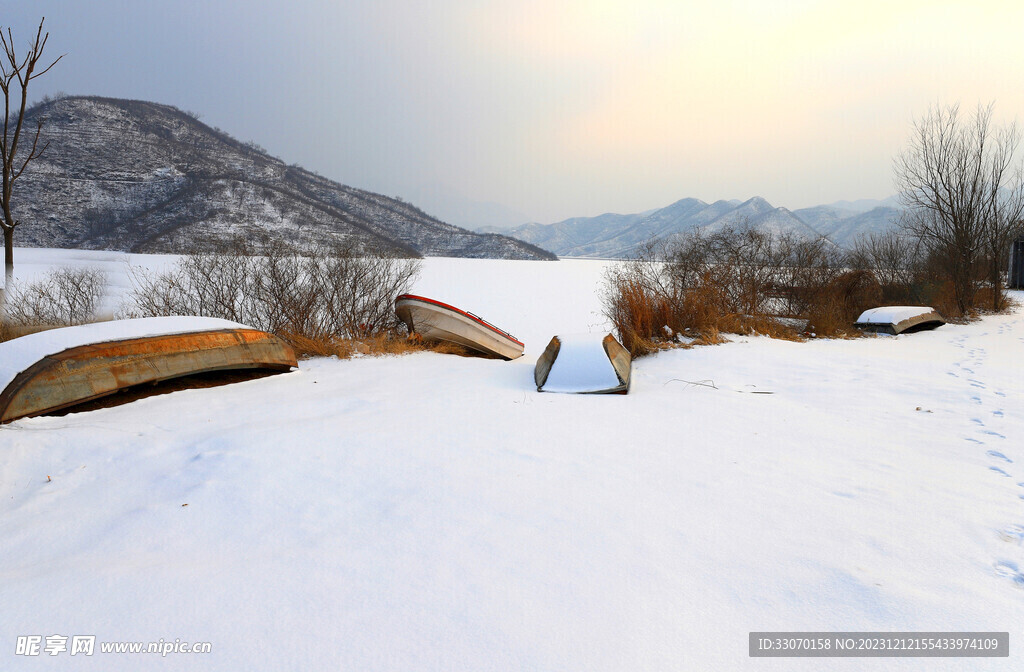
(139, 176)
(843, 226)
(614, 235)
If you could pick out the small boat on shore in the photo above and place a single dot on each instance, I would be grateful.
(55, 369)
(583, 364)
(899, 319)
(434, 320)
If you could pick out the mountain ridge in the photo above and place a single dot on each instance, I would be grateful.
(146, 177)
(613, 235)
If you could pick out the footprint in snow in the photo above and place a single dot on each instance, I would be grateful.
(991, 433)
(976, 399)
(1001, 394)
(976, 383)
(997, 454)
(980, 443)
(998, 414)
(1006, 569)
(1012, 533)
(977, 421)
(999, 471)
(950, 373)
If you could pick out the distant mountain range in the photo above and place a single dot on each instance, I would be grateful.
(143, 177)
(614, 236)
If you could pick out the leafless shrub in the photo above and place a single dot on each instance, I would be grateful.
(327, 293)
(638, 297)
(64, 297)
(895, 261)
(734, 280)
(744, 263)
(838, 303)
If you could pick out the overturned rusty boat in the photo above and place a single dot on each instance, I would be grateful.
(434, 320)
(51, 370)
(899, 319)
(583, 364)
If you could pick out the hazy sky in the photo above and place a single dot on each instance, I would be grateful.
(555, 109)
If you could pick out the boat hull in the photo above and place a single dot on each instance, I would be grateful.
(618, 359)
(877, 320)
(87, 372)
(434, 320)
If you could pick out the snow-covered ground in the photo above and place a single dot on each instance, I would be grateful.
(432, 512)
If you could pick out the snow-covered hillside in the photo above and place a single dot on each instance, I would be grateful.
(143, 177)
(433, 512)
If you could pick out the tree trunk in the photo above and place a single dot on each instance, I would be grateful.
(8, 254)
(8, 271)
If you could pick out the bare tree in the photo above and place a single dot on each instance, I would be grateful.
(15, 76)
(1004, 220)
(952, 177)
(890, 256)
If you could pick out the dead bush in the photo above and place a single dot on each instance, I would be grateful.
(841, 302)
(637, 311)
(701, 285)
(639, 297)
(315, 299)
(894, 260)
(744, 263)
(64, 297)
(739, 280)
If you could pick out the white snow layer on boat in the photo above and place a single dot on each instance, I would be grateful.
(20, 353)
(892, 314)
(582, 365)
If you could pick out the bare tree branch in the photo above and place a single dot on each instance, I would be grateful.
(23, 71)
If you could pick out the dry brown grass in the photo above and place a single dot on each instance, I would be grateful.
(942, 297)
(9, 331)
(377, 345)
(835, 307)
(759, 325)
(651, 313)
(984, 297)
(638, 314)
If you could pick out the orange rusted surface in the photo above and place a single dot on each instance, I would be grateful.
(90, 371)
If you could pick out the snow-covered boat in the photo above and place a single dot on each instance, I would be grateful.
(583, 364)
(50, 370)
(899, 319)
(434, 320)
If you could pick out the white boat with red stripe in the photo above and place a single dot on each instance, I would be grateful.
(435, 320)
